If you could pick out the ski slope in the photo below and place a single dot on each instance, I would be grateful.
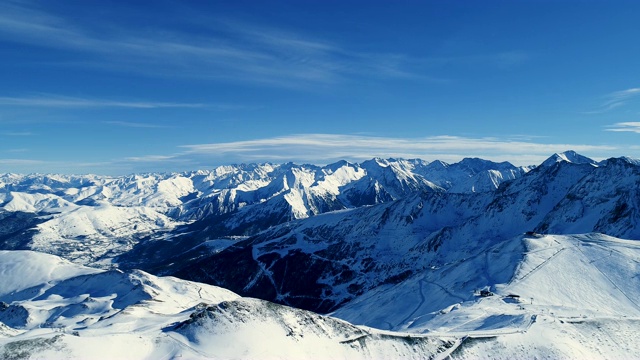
(569, 296)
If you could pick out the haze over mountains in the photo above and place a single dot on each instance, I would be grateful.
(402, 246)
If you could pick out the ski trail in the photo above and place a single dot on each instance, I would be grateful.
(535, 269)
(608, 278)
(423, 299)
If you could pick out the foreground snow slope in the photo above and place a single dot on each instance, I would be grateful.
(566, 297)
(50, 308)
(572, 296)
(576, 298)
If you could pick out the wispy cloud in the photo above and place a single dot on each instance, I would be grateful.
(324, 148)
(616, 100)
(33, 166)
(226, 50)
(499, 59)
(20, 162)
(625, 127)
(237, 51)
(20, 150)
(153, 158)
(17, 133)
(48, 100)
(136, 124)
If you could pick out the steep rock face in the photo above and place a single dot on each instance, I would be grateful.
(606, 200)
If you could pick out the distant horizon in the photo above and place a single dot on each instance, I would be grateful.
(120, 87)
(316, 164)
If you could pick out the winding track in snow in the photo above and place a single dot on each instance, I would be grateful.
(422, 300)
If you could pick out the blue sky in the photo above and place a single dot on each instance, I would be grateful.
(114, 87)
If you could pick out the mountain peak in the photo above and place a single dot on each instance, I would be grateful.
(477, 165)
(569, 156)
(620, 160)
(375, 162)
(437, 164)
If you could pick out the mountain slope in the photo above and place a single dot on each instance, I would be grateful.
(579, 292)
(568, 156)
(50, 308)
(486, 265)
(554, 296)
(97, 218)
(340, 255)
(591, 275)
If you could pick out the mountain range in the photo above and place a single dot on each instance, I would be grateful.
(428, 259)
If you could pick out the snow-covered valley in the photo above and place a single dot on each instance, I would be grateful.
(405, 259)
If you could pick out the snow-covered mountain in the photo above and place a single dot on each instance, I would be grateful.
(568, 156)
(340, 255)
(464, 260)
(93, 219)
(471, 174)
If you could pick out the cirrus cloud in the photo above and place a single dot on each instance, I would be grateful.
(325, 148)
(616, 100)
(56, 101)
(625, 127)
(321, 149)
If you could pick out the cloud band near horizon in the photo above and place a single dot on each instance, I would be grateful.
(322, 149)
(326, 148)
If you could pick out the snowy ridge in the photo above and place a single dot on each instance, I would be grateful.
(550, 297)
(232, 187)
(93, 219)
(429, 260)
(471, 174)
(58, 310)
(569, 156)
(580, 293)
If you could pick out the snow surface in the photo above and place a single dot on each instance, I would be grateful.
(577, 297)
(20, 270)
(568, 156)
(403, 247)
(79, 313)
(88, 234)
